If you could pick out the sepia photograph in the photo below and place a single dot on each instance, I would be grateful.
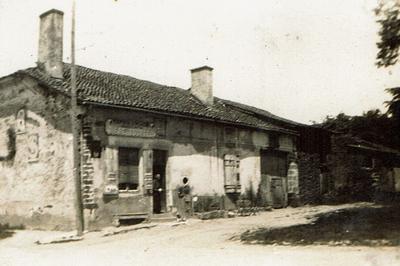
(199, 132)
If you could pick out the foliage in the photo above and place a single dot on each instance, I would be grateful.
(394, 104)
(372, 125)
(208, 203)
(388, 14)
(388, 17)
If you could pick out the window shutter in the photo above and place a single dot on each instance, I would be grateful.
(232, 173)
(148, 170)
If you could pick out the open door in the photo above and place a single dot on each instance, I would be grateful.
(159, 181)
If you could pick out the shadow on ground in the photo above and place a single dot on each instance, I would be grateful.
(370, 226)
(5, 232)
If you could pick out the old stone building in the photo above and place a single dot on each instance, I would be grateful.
(131, 130)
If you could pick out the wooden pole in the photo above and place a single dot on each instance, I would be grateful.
(75, 124)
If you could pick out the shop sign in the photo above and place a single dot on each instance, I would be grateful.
(130, 129)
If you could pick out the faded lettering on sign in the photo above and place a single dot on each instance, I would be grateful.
(131, 129)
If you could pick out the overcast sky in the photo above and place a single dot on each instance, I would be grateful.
(301, 59)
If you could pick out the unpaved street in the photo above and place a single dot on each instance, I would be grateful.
(212, 242)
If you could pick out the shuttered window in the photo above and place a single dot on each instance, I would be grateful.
(232, 170)
(128, 160)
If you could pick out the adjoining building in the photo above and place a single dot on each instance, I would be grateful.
(131, 130)
(362, 170)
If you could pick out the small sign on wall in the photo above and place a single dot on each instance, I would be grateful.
(110, 190)
(33, 147)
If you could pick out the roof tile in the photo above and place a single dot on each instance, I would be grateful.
(101, 87)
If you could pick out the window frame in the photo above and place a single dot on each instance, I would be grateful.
(128, 190)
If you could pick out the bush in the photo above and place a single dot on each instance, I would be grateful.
(208, 203)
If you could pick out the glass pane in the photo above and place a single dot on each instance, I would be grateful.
(128, 159)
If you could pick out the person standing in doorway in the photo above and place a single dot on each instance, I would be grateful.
(185, 200)
(157, 191)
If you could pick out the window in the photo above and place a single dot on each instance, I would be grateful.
(274, 163)
(230, 137)
(232, 173)
(128, 161)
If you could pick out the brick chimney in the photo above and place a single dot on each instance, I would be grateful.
(51, 42)
(202, 84)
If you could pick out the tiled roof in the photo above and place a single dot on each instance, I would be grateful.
(262, 113)
(99, 87)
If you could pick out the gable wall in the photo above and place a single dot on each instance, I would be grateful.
(36, 185)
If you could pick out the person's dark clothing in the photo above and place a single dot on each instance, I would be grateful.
(185, 201)
(157, 195)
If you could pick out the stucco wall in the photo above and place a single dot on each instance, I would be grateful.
(39, 192)
(36, 185)
(195, 150)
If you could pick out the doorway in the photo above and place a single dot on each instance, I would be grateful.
(273, 177)
(159, 181)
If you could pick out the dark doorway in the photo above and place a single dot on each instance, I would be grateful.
(273, 170)
(159, 181)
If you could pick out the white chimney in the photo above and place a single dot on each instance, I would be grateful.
(51, 42)
(202, 84)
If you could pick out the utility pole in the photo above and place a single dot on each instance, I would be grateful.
(75, 124)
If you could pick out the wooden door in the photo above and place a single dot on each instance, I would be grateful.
(273, 174)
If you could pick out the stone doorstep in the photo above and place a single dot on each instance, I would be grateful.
(162, 218)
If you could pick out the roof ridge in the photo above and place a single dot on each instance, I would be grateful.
(102, 87)
(254, 110)
(126, 76)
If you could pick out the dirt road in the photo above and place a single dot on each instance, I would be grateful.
(212, 242)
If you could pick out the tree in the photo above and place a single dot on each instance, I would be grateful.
(388, 12)
(372, 125)
(394, 104)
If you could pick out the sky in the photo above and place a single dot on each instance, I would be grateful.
(302, 60)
